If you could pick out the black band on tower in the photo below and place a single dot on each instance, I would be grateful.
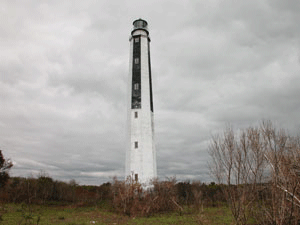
(136, 74)
(150, 78)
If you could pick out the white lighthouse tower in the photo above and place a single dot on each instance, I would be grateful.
(141, 153)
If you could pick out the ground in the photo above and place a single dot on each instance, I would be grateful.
(75, 215)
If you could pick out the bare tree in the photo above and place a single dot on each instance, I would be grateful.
(282, 154)
(237, 161)
(255, 160)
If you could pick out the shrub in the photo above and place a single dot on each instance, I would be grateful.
(131, 199)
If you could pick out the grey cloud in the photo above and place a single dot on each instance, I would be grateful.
(63, 80)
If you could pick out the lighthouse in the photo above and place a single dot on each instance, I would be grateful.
(141, 152)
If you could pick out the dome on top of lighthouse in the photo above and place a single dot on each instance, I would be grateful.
(140, 24)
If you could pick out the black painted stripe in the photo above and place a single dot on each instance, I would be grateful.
(136, 74)
(150, 78)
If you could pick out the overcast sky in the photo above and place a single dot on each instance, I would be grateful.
(64, 70)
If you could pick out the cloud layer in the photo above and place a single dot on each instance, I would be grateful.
(64, 68)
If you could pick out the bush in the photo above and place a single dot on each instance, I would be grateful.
(130, 199)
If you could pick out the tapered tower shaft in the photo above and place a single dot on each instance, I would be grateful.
(141, 153)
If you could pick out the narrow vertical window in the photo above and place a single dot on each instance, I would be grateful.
(136, 177)
(135, 114)
(136, 60)
(136, 86)
(136, 144)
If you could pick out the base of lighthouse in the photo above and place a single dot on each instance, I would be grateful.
(141, 157)
(141, 152)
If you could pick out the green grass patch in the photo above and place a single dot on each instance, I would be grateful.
(73, 215)
(219, 215)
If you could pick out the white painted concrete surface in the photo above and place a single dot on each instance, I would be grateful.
(141, 160)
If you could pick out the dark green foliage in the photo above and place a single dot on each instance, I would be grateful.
(209, 195)
(184, 193)
(5, 165)
(45, 190)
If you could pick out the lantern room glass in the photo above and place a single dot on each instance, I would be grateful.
(140, 24)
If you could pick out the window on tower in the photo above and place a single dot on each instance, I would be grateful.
(136, 86)
(136, 144)
(135, 114)
(136, 177)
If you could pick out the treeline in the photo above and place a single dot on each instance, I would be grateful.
(129, 198)
(45, 190)
(126, 197)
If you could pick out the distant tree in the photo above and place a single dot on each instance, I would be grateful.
(5, 165)
(45, 186)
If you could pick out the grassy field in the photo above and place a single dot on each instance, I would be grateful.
(73, 215)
